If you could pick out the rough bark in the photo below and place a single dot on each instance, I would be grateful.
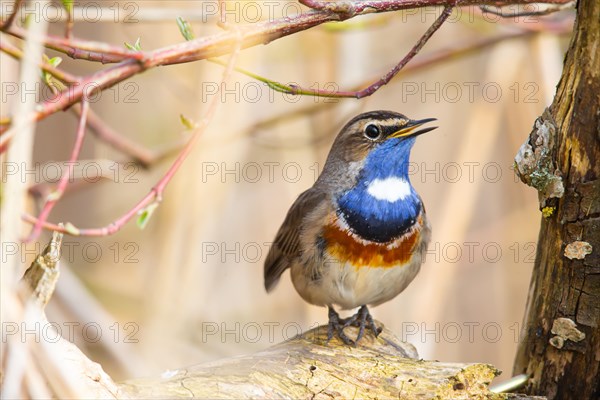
(306, 368)
(560, 346)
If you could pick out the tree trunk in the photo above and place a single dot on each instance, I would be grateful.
(560, 346)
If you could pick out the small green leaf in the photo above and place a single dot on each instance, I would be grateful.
(70, 228)
(68, 5)
(46, 77)
(55, 61)
(185, 28)
(188, 123)
(145, 214)
(137, 46)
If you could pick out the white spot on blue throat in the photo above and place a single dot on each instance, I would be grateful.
(389, 189)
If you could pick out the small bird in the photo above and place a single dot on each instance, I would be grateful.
(357, 237)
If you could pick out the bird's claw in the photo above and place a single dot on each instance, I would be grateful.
(337, 325)
(362, 319)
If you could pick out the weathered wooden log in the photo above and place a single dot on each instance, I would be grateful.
(303, 367)
(306, 367)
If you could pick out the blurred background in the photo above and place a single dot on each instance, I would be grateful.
(188, 288)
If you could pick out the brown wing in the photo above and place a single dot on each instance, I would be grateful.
(286, 245)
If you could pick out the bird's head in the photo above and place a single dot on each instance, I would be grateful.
(375, 145)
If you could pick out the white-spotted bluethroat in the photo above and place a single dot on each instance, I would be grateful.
(358, 236)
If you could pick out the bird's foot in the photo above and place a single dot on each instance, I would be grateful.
(362, 319)
(336, 326)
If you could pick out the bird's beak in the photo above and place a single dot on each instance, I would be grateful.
(409, 129)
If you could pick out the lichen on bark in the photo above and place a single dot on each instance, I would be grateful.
(534, 163)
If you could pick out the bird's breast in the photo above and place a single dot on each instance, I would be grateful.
(345, 246)
(379, 209)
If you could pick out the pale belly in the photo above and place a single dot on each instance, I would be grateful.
(350, 272)
(349, 286)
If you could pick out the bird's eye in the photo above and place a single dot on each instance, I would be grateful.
(372, 132)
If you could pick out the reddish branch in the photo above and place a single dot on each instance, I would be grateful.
(351, 8)
(16, 53)
(97, 126)
(65, 178)
(384, 80)
(212, 46)
(80, 49)
(417, 65)
(130, 63)
(525, 12)
(155, 194)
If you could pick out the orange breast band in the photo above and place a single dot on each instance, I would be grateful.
(344, 247)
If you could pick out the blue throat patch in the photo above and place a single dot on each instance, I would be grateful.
(381, 220)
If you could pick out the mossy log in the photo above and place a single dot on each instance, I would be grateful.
(306, 367)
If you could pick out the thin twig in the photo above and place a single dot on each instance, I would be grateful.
(558, 28)
(147, 157)
(322, 12)
(87, 87)
(81, 49)
(17, 54)
(70, 23)
(213, 46)
(53, 198)
(372, 88)
(97, 126)
(555, 25)
(432, 59)
(139, 153)
(550, 10)
(425, 61)
(155, 194)
(348, 9)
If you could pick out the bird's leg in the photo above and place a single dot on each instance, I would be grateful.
(362, 319)
(337, 325)
(366, 318)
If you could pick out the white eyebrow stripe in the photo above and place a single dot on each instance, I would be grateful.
(390, 122)
(386, 122)
(389, 189)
